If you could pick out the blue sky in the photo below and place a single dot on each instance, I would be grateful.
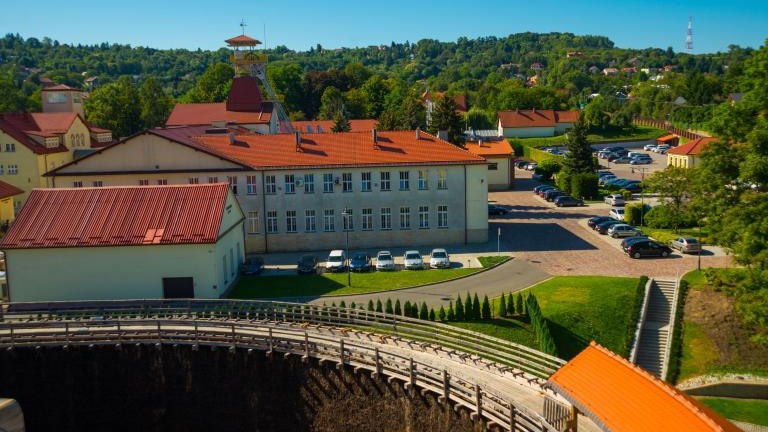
(335, 23)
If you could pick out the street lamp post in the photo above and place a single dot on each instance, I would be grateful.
(642, 195)
(345, 214)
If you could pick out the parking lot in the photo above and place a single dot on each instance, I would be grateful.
(558, 241)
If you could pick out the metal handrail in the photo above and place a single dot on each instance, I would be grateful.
(450, 380)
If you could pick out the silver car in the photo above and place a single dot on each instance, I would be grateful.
(686, 245)
(412, 260)
(439, 259)
(623, 230)
(385, 261)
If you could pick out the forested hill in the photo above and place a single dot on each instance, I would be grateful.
(491, 71)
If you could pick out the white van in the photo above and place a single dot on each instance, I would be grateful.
(634, 154)
(336, 261)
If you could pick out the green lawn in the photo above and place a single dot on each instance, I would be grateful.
(699, 352)
(666, 235)
(489, 261)
(332, 284)
(746, 410)
(638, 133)
(503, 328)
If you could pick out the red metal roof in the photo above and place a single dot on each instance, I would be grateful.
(620, 396)
(567, 116)
(207, 113)
(694, 147)
(244, 95)
(119, 216)
(59, 87)
(243, 40)
(21, 126)
(8, 190)
(337, 149)
(327, 125)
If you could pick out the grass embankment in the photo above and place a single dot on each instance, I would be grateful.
(638, 133)
(714, 339)
(579, 309)
(666, 235)
(335, 284)
(747, 410)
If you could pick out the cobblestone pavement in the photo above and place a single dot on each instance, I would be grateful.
(558, 241)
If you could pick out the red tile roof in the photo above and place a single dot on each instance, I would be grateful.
(21, 125)
(119, 216)
(667, 138)
(337, 149)
(243, 40)
(8, 190)
(620, 396)
(490, 148)
(327, 125)
(694, 147)
(244, 95)
(207, 113)
(59, 87)
(460, 100)
(536, 118)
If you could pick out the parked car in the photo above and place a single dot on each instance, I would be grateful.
(633, 186)
(621, 160)
(605, 179)
(531, 166)
(495, 210)
(336, 262)
(439, 259)
(686, 245)
(542, 187)
(568, 201)
(412, 260)
(661, 149)
(252, 266)
(648, 248)
(385, 261)
(629, 240)
(615, 200)
(603, 173)
(617, 213)
(520, 164)
(597, 219)
(307, 264)
(623, 230)
(649, 147)
(542, 192)
(602, 227)
(550, 195)
(641, 161)
(360, 262)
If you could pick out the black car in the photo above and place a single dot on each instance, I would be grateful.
(542, 187)
(568, 201)
(520, 164)
(648, 248)
(602, 228)
(307, 265)
(360, 262)
(494, 210)
(551, 194)
(252, 266)
(627, 242)
(597, 220)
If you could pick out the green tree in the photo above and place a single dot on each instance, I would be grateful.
(424, 311)
(548, 167)
(407, 308)
(115, 106)
(595, 116)
(388, 306)
(379, 307)
(468, 312)
(331, 104)
(212, 86)
(674, 186)
(519, 304)
(441, 313)
(502, 306)
(341, 123)
(286, 78)
(12, 99)
(445, 118)
(398, 310)
(155, 103)
(476, 310)
(485, 310)
(431, 314)
(370, 305)
(451, 313)
(459, 309)
(579, 158)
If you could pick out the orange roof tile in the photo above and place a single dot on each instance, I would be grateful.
(242, 40)
(21, 125)
(337, 149)
(326, 125)
(207, 113)
(567, 116)
(490, 148)
(8, 190)
(59, 87)
(667, 138)
(118, 216)
(527, 118)
(694, 147)
(620, 396)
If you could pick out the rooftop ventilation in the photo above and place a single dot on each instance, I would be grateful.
(297, 135)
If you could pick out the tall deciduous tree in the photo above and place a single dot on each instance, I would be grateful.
(331, 103)
(155, 103)
(213, 85)
(445, 118)
(674, 186)
(116, 106)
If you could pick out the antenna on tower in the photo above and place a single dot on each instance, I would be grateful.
(689, 36)
(243, 25)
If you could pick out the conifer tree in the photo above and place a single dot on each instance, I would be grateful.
(424, 312)
(468, 308)
(398, 309)
(407, 309)
(379, 306)
(451, 313)
(441, 313)
(370, 305)
(459, 309)
(431, 314)
(519, 304)
(485, 310)
(502, 306)
(476, 314)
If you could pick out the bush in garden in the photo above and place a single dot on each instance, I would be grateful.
(502, 306)
(398, 309)
(424, 311)
(451, 313)
(485, 310)
(459, 309)
(476, 314)
(441, 315)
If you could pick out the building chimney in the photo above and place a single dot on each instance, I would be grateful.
(418, 133)
(231, 138)
(375, 138)
(297, 135)
(480, 142)
(442, 135)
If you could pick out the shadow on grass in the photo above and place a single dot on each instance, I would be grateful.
(568, 343)
(251, 287)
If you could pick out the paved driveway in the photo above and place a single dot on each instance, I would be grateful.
(557, 240)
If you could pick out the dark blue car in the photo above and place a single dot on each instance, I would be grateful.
(360, 262)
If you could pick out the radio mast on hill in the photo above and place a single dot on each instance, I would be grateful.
(689, 36)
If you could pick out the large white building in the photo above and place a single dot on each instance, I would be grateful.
(125, 243)
(535, 123)
(400, 188)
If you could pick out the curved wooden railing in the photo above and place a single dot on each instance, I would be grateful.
(482, 374)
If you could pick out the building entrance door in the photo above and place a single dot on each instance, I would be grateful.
(178, 287)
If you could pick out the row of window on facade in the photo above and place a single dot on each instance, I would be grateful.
(77, 140)
(12, 169)
(366, 220)
(292, 182)
(9, 147)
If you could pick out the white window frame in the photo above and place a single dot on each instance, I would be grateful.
(405, 218)
(365, 182)
(423, 217)
(386, 218)
(442, 216)
(253, 222)
(405, 180)
(290, 184)
(366, 216)
(348, 220)
(194, 180)
(270, 185)
(328, 183)
(310, 220)
(423, 180)
(272, 222)
(290, 221)
(250, 185)
(385, 182)
(13, 169)
(346, 182)
(162, 182)
(329, 220)
(442, 178)
(232, 180)
(309, 183)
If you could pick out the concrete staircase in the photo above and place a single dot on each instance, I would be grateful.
(657, 328)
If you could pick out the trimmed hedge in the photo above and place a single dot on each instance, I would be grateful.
(540, 327)
(635, 314)
(676, 350)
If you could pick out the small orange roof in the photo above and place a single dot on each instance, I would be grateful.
(620, 396)
(8, 190)
(694, 147)
(527, 118)
(667, 138)
(490, 148)
(60, 87)
(336, 149)
(567, 116)
(243, 40)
